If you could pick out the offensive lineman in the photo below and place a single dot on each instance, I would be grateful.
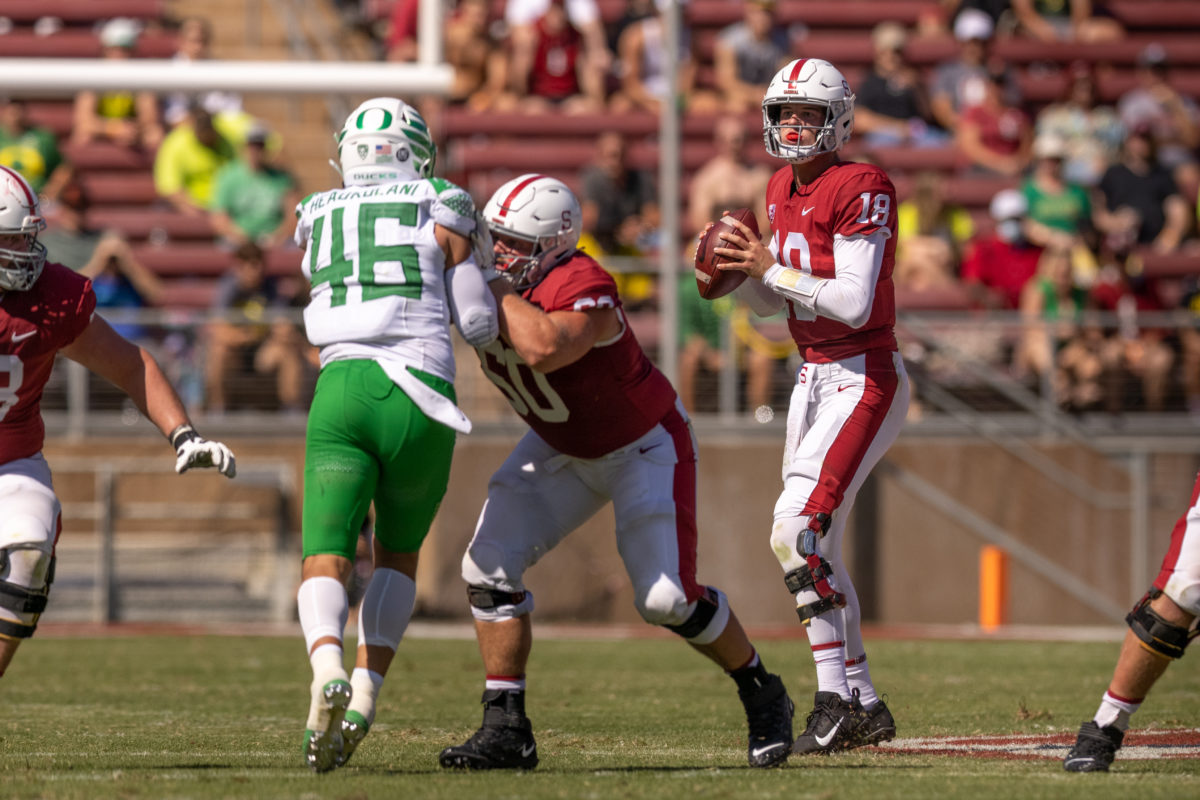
(605, 426)
(1160, 627)
(830, 262)
(390, 259)
(46, 308)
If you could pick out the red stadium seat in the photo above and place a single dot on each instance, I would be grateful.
(107, 156)
(139, 222)
(73, 11)
(73, 43)
(119, 188)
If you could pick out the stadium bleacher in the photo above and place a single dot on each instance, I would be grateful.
(480, 151)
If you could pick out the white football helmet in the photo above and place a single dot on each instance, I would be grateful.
(19, 216)
(810, 81)
(536, 209)
(385, 140)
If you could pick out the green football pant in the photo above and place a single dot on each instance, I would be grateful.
(367, 441)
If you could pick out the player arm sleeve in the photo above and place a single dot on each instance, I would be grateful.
(472, 306)
(847, 297)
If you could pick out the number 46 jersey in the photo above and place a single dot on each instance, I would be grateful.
(377, 272)
(845, 201)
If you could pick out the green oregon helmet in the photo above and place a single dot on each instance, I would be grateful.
(385, 140)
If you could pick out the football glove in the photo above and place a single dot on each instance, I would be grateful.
(191, 450)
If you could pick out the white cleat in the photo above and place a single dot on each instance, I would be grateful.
(323, 742)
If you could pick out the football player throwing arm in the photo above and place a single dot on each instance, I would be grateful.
(1160, 627)
(391, 257)
(605, 427)
(829, 262)
(46, 309)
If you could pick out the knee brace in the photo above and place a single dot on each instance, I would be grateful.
(492, 605)
(1156, 634)
(815, 574)
(707, 621)
(25, 577)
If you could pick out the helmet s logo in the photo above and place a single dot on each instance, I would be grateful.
(374, 119)
(566, 220)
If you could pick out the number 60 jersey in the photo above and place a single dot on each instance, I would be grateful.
(608, 398)
(846, 200)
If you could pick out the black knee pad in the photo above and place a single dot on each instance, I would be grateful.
(1156, 634)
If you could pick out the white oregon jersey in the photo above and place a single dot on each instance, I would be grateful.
(378, 275)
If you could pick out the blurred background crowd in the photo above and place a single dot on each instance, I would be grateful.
(1046, 155)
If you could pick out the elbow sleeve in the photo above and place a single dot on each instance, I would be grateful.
(472, 306)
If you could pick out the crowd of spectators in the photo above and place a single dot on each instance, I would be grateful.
(1089, 179)
(212, 162)
(1086, 184)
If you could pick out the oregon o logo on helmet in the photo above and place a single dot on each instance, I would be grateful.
(374, 119)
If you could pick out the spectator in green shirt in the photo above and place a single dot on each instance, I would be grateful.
(254, 198)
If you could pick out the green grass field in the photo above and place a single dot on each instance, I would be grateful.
(221, 717)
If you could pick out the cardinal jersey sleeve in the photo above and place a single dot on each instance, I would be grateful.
(34, 326)
(608, 398)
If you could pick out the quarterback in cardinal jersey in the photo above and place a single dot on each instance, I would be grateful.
(605, 427)
(45, 309)
(829, 261)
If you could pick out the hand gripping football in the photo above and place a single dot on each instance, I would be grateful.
(710, 281)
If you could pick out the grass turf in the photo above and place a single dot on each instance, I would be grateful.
(221, 717)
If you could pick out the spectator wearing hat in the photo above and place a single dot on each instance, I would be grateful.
(891, 106)
(747, 54)
(1060, 212)
(993, 136)
(1141, 203)
(1172, 118)
(127, 118)
(253, 197)
(1090, 131)
(1071, 21)
(961, 82)
(998, 263)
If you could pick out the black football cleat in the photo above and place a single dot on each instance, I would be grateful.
(505, 741)
(831, 725)
(769, 715)
(1094, 749)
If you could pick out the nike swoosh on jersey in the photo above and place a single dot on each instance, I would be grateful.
(527, 751)
(758, 751)
(20, 337)
(804, 213)
(827, 738)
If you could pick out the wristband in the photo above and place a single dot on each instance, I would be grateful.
(184, 433)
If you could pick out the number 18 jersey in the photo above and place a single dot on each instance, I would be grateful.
(846, 200)
(377, 272)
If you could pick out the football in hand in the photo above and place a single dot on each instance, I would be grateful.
(710, 281)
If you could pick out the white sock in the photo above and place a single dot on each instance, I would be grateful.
(1115, 711)
(327, 666)
(323, 609)
(858, 676)
(826, 636)
(386, 608)
(365, 684)
(505, 683)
